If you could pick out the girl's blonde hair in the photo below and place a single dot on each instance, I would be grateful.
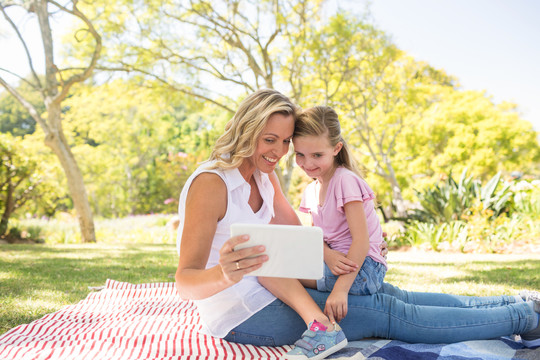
(242, 132)
(324, 121)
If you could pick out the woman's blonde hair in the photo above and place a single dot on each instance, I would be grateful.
(324, 121)
(242, 132)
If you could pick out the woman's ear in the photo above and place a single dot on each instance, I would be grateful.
(337, 148)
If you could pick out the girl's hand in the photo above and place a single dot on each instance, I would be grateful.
(236, 264)
(338, 263)
(336, 306)
(384, 246)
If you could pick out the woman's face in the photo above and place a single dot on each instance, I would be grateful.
(273, 142)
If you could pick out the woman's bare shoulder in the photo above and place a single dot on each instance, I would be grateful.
(208, 191)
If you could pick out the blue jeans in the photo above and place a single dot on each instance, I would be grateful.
(368, 281)
(397, 314)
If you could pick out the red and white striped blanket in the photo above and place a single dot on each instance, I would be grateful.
(150, 321)
(125, 321)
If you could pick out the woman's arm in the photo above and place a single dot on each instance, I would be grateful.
(283, 211)
(204, 209)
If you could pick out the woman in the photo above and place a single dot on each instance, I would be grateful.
(238, 184)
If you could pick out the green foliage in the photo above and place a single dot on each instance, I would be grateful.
(406, 121)
(466, 130)
(452, 200)
(477, 233)
(527, 198)
(136, 146)
(27, 181)
(14, 118)
(465, 216)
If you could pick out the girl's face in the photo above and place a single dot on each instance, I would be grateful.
(273, 142)
(315, 156)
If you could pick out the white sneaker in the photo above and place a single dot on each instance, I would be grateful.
(529, 295)
(531, 338)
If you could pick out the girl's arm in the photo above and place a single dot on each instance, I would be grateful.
(336, 304)
(283, 212)
(203, 211)
(338, 262)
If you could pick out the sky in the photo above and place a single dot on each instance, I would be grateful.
(491, 45)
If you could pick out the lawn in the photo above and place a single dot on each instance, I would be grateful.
(39, 279)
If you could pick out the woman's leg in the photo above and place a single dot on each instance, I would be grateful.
(384, 316)
(446, 300)
(293, 293)
(274, 325)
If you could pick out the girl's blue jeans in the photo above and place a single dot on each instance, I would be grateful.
(368, 281)
(397, 314)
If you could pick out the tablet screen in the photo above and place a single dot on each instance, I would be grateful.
(293, 251)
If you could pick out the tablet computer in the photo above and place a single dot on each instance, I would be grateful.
(293, 251)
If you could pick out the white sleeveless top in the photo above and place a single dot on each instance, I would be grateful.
(225, 310)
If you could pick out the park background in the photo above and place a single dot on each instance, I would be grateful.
(101, 128)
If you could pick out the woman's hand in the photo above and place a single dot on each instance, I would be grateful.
(236, 264)
(336, 306)
(338, 263)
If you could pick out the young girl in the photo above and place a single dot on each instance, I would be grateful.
(342, 204)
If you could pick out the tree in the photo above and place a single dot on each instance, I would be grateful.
(215, 51)
(354, 67)
(17, 178)
(465, 129)
(135, 145)
(54, 89)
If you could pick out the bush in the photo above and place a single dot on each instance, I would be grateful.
(453, 200)
(465, 216)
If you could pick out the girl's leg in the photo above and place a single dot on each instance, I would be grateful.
(446, 300)
(385, 316)
(368, 280)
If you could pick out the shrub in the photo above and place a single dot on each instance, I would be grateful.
(453, 200)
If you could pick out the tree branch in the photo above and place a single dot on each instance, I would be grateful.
(28, 106)
(171, 86)
(20, 78)
(23, 42)
(95, 55)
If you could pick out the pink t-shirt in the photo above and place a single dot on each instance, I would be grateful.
(345, 186)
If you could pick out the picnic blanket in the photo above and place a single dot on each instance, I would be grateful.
(149, 321)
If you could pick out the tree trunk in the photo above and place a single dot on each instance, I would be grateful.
(7, 211)
(56, 140)
(397, 197)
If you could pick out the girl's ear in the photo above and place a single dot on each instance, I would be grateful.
(337, 148)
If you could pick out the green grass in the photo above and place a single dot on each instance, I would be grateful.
(39, 279)
(464, 274)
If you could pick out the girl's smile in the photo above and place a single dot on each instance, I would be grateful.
(315, 156)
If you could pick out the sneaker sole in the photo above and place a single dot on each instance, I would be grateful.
(319, 356)
(531, 343)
